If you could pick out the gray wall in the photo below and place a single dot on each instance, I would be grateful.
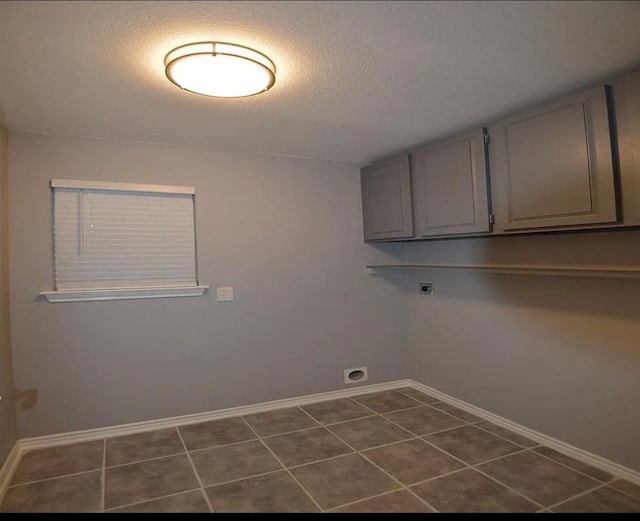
(7, 411)
(285, 232)
(558, 355)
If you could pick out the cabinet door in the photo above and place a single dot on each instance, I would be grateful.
(450, 186)
(626, 91)
(551, 167)
(386, 199)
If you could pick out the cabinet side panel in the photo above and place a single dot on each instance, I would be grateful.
(626, 92)
(386, 199)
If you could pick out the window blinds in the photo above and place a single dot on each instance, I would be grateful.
(122, 238)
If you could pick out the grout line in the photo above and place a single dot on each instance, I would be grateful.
(154, 499)
(343, 399)
(250, 476)
(204, 496)
(616, 478)
(471, 467)
(418, 404)
(485, 475)
(258, 436)
(54, 477)
(519, 451)
(103, 477)
(402, 485)
(475, 467)
(397, 442)
(193, 467)
(366, 407)
(531, 500)
(385, 417)
(477, 425)
(433, 478)
(572, 468)
(385, 445)
(318, 460)
(426, 433)
(464, 423)
(360, 453)
(194, 451)
(576, 496)
(290, 432)
(348, 421)
(424, 501)
(404, 393)
(448, 429)
(335, 423)
(446, 453)
(287, 432)
(404, 489)
(144, 460)
(321, 460)
(464, 463)
(433, 406)
(435, 400)
(353, 398)
(311, 417)
(400, 426)
(321, 424)
(381, 445)
(360, 500)
(285, 468)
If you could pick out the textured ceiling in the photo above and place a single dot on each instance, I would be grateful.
(355, 80)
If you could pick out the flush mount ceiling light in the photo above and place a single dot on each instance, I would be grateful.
(219, 69)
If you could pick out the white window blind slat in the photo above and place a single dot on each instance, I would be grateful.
(106, 239)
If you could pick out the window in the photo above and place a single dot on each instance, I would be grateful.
(120, 240)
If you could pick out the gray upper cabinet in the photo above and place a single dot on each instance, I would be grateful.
(551, 167)
(626, 92)
(386, 199)
(450, 186)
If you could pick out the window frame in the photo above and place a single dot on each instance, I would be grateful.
(81, 295)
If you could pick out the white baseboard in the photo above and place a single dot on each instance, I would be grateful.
(8, 469)
(131, 428)
(587, 457)
(24, 445)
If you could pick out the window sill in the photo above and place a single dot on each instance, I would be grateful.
(122, 294)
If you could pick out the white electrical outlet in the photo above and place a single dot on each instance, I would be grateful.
(224, 294)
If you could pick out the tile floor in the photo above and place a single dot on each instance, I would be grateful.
(390, 451)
